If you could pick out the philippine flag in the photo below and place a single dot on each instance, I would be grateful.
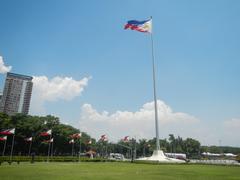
(48, 141)
(104, 138)
(4, 138)
(141, 26)
(8, 131)
(48, 133)
(28, 139)
(76, 135)
(71, 141)
(126, 139)
(89, 142)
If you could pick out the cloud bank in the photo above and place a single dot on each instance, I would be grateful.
(231, 131)
(3, 68)
(55, 89)
(140, 123)
(233, 124)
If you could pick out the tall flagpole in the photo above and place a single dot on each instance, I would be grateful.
(79, 149)
(12, 147)
(30, 146)
(4, 147)
(49, 146)
(155, 95)
(72, 148)
(52, 149)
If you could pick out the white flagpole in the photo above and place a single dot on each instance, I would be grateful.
(4, 147)
(79, 155)
(12, 147)
(52, 149)
(72, 147)
(49, 146)
(30, 146)
(106, 152)
(155, 95)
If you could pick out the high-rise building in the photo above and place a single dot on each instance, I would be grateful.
(16, 94)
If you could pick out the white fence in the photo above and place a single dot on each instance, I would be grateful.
(224, 162)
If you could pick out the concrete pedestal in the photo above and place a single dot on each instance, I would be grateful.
(160, 157)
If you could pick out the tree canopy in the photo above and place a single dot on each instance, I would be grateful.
(31, 126)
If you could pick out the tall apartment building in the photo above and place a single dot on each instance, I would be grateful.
(16, 94)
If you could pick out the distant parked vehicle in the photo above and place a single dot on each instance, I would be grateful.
(177, 156)
(116, 156)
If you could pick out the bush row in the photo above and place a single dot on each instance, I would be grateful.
(52, 159)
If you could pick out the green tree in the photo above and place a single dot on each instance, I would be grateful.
(192, 147)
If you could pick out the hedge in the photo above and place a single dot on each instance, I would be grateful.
(19, 159)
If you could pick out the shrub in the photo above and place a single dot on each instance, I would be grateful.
(19, 159)
(238, 158)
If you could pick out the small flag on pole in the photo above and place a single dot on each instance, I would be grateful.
(126, 139)
(104, 138)
(71, 141)
(48, 141)
(89, 141)
(8, 131)
(48, 133)
(28, 139)
(141, 26)
(4, 138)
(76, 135)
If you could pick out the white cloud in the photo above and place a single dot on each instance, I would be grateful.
(230, 132)
(57, 88)
(233, 124)
(140, 123)
(210, 132)
(3, 68)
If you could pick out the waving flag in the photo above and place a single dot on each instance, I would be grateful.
(89, 142)
(76, 135)
(104, 138)
(48, 141)
(28, 139)
(48, 133)
(126, 139)
(4, 138)
(71, 141)
(8, 131)
(141, 26)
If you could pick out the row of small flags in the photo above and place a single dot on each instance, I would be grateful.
(6, 133)
(103, 137)
(48, 133)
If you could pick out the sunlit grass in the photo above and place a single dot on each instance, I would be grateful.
(114, 170)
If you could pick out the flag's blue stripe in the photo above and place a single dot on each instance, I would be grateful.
(135, 22)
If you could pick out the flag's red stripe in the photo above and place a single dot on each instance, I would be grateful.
(5, 133)
(134, 27)
(44, 134)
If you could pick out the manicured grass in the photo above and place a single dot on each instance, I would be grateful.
(115, 170)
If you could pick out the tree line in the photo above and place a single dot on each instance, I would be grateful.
(31, 126)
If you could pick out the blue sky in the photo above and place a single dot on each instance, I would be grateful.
(197, 53)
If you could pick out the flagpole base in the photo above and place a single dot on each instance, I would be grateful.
(160, 157)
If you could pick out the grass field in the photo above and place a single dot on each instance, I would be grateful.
(114, 170)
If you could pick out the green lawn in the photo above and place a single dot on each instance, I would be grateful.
(114, 170)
